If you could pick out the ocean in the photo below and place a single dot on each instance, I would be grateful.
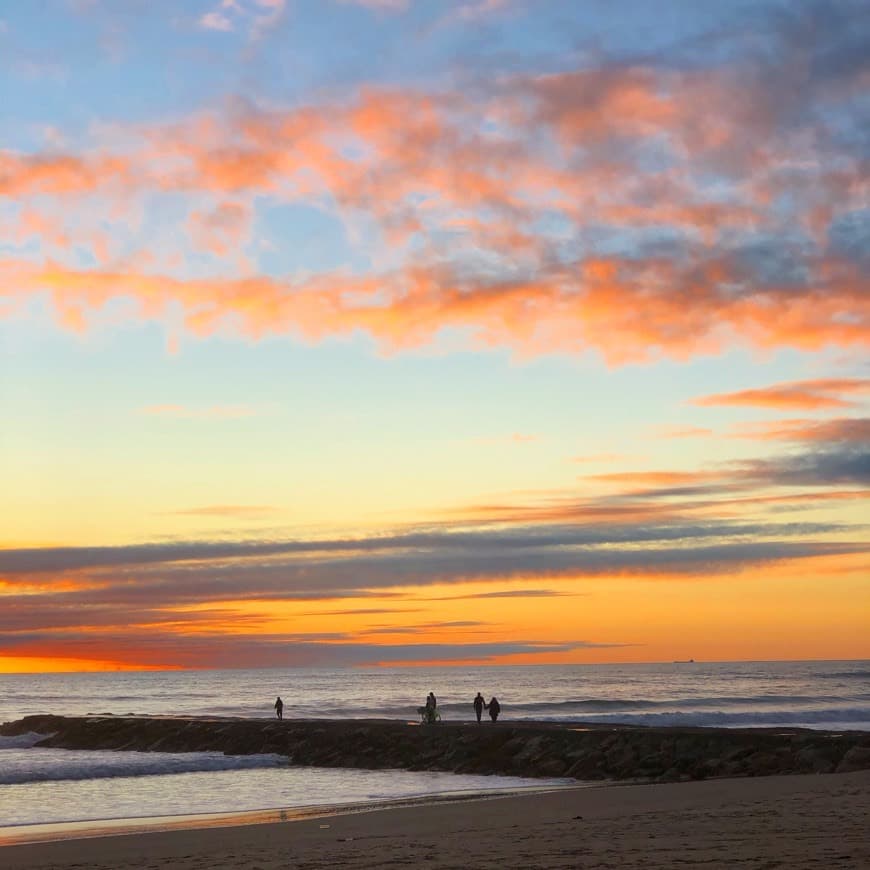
(42, 786)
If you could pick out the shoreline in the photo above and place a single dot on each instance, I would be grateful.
(87, 829)
(799, 821)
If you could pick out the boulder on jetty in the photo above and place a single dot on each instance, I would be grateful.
(528, 749)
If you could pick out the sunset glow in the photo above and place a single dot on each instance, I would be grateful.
(347, 333)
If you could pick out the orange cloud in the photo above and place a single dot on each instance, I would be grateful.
(809, 395)
(62, 663)
(568, 509)
(799, 499)
(856, 429)
(33, 174)
(480, 200)
(656, 478)
(592, 105)
(628, 311)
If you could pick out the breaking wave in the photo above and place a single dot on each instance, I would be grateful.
(55, 765)
(21, 741)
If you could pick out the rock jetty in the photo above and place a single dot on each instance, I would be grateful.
(583, 752)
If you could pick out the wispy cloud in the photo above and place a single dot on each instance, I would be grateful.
(826, 466)
(854, 429)
(257, 16)
(179, 597)
(145, 647)
(215, 20)
(507, 593)
(804, 395)
(363, 611)
(655, 477)
(419, 558)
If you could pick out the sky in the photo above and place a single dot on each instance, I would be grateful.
(405, 332)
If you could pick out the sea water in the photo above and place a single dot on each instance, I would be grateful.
(59, 785)
(53, 785)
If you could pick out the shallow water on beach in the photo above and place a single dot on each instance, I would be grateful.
(266, 783)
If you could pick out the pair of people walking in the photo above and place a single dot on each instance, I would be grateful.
(429, 713)
(493, 706)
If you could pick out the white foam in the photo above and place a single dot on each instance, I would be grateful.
(57, 765)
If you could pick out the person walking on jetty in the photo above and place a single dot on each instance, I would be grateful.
(429, 714)
(494, 708)
(478, 706)
(279, 707)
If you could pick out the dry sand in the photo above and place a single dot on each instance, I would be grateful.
(820, 821)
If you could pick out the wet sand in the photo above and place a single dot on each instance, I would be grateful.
(806, 821)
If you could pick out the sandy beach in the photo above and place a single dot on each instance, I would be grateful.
(783, 821)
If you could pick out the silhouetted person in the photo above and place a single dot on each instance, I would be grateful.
(494, 708)
(478, 706)
(279, 707)
(428, 712)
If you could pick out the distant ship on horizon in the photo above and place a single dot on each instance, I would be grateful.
(684, 661)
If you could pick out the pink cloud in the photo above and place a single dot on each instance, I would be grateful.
(222, 229)
(259, 16)
(215, 21)
(459, 187)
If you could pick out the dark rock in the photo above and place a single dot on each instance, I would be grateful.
(856, 758)
(813, 759)
(551, 767)
(520, 748)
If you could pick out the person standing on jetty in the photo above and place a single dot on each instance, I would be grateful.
(279, 707)
(478, 706)
(494, 708)
(428, 713)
